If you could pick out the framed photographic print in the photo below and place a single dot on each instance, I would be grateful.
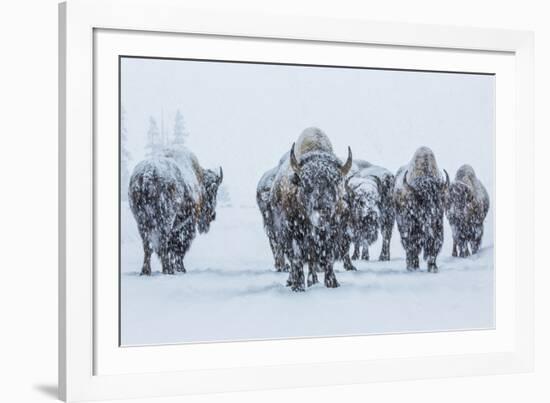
(251, 201)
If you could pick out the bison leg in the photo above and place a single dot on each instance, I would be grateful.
(326, 261)
(280, 264)
(296, 276)
(455, 249)
(344, 254)
(365, 251)
(463, 249)
(462, 242)
(178, 264)
(312, 274)
(347, 263)
(476, 242)
(385, 252)
(356, 247)
(386, 238)
(475, 246)
(412, 261)
(168, 262)
(180, 240)
(330, 277)
(147, 252)
(431, 250)
(432, 267)
(412, 250)
(409, 230)
(278, 254)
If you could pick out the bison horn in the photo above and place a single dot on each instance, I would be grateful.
(220, 178)
(407, 186)
(447, 180)
(347, 166)
(293, 161)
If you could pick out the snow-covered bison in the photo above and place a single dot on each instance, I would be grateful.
(263, 196)
(170, 197)
(466, 208)
(419, 196)
(369, 200)
(306, 197)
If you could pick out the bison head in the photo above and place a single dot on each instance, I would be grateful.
(429, 193)
(362, 197)
(460, 201)
(211, 183)
(318, 178)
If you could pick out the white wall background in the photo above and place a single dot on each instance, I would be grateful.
(28, 202)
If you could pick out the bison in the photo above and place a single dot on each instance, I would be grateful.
(170, 197)
(306, 197)
(369, 199)
(263, 199)
(358, 220)
(419, 196)
(466, 208)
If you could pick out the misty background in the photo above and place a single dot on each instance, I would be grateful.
(243, 117)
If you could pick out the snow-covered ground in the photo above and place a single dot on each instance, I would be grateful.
(231, 292)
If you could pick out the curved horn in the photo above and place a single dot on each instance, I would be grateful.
(407, 186)
(447, 180)
(293, 161)
(220, 178)
(347, 166)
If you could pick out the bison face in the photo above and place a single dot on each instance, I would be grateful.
(460, 201)
(364, 215)
(367, 215)
(319, 196)
(363, 206)
(318, 180)
(211, 184)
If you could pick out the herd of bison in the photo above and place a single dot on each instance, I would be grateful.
(316, 209)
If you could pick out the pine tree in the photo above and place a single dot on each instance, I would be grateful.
(125, 156)
(179, 130)
(154, 145)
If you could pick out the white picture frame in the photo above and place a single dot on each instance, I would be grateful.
(91, 366)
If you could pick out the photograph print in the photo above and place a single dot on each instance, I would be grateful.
(265, 201)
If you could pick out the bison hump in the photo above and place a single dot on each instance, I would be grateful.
(156, 169)
(191, 171)
(312, 139)
(423, 163)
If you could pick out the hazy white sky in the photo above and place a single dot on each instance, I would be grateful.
(245, 116)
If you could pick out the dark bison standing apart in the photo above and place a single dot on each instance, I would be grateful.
(466, 208)
(170, 197)
(419, 197)
(306, 197)
(369, 200)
